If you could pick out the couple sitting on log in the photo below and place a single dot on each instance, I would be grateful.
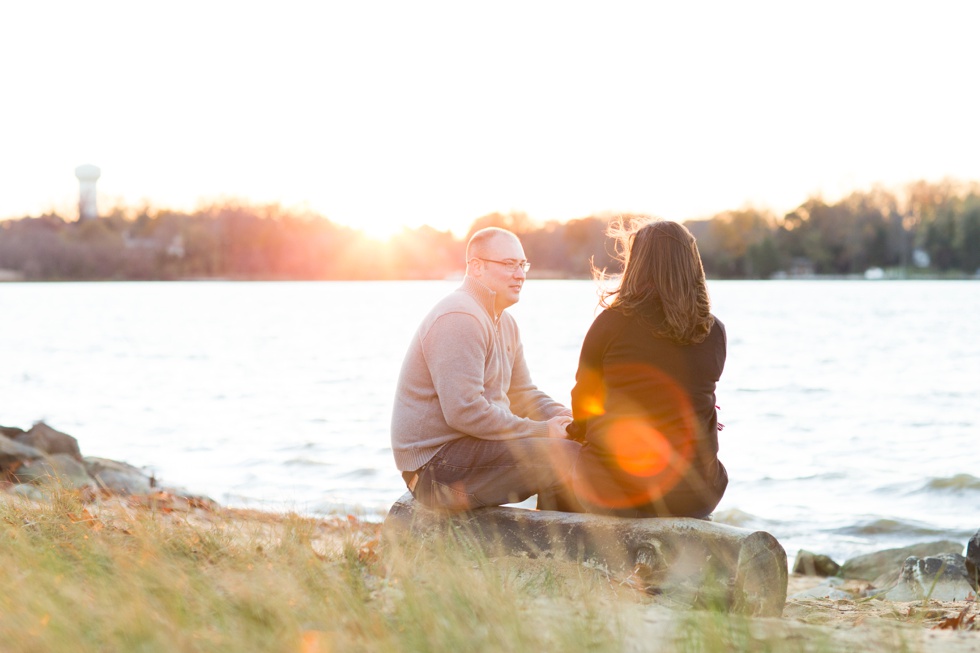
(470, 429)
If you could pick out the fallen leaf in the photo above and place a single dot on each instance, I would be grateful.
(959, 622)
(368, 552)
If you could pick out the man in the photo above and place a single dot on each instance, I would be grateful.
(469, 428)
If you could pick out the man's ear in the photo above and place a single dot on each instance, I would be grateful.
(474, 268)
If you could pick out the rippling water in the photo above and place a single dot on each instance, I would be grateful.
(850, 406)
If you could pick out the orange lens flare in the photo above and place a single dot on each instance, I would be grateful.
(642, 446)
(589, 398)
(638, 448)
(642, 469)
(592, 407)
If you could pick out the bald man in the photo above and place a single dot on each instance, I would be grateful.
(469, 428)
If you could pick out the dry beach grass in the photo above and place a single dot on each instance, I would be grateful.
(165, 574)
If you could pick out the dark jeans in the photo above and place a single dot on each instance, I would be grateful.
(472, 473)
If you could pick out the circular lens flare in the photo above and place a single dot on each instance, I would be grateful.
(638, 448)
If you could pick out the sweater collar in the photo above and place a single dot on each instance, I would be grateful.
(481, 294)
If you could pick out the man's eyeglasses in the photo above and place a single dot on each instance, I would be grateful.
(513, 266)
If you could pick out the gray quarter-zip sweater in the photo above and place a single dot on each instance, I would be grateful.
(465, 375)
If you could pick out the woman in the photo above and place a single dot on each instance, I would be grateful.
(644, 397)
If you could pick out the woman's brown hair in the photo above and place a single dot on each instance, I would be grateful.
(661, 265)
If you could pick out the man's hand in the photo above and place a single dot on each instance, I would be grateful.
(557, 425)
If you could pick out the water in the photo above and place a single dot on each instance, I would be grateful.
(849, 405)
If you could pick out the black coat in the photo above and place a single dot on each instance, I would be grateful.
(644, 406)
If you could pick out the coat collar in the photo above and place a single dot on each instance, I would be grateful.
(483, 295)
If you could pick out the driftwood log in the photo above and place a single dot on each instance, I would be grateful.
(689, 561)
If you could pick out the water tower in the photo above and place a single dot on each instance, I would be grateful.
(87, 176)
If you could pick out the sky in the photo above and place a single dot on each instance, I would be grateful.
(385, 115)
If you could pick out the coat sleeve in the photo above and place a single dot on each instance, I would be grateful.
(589, 393)
(525, 397)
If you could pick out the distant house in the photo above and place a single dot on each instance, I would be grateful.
(921, 258)
(11, 275)
(801, 267)
(174, 248)
(131, 242)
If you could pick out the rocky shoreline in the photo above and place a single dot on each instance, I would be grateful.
(40, 460)
(943, 570)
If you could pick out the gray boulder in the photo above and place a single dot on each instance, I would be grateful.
(119, 477)
(59, 469)
(940, 578)
(814, 564)
(28, 491)
(973, 560)
(12, 452)
(690, 561)
(873, 565)
(50, 441)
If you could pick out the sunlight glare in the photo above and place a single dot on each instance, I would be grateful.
(639, 449)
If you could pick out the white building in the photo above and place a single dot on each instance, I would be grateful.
(87, 176)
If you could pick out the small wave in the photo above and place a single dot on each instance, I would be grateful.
(885, 526)
(300, 446)
(957, 483)
(835, 475)
(305, 462)
(332, 381)
(736, 517)
(363, 472)
(791, 389)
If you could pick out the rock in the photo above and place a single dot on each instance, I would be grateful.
(28, 491)
(43, 437)
(940, 578)
(873, 565)
(10, 431)
(814, 564)
(13, 452)
(691, 561)
(973, 560)
(119, 477)
(60, 469)
(734, 517)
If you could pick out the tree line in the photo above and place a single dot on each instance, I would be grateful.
(928, 227)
